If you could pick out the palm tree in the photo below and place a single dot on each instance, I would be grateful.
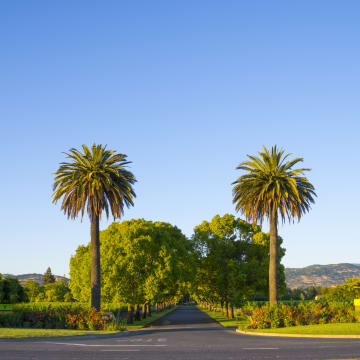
(272, 188)
(94, 180)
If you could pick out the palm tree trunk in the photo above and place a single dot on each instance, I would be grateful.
(95, 263)
(273, 291)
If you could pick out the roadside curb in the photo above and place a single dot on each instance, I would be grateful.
(243, 332)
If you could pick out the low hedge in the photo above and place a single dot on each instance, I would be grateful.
(58, 316)
(300, 313)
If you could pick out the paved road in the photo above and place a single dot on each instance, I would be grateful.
(185, 334)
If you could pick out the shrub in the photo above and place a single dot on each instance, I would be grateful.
(57, 316)
(300, 313)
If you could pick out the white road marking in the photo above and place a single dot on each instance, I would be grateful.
(161, 339)
(120, 350)
(148, 340)
(260, 348)
(104, 345)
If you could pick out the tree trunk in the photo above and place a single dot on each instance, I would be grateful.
(273, 291)
(144, 311)
(95, 263)
(157, 307)
(227, 309)
(130, 314)
(137, 312)
(232, 312)
(148, 309)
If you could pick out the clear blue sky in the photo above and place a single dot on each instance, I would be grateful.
(186, 89)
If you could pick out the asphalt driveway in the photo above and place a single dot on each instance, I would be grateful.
(186, 333)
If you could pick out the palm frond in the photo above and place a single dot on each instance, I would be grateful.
(94, 181)
(270, 185)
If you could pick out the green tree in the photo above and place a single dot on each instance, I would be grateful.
(272, 188)
(343, 292)
(11, 291)
(32, 290)
(56, 291)
(48, 277)
(232, 261)
(95, 181)
(143, 262)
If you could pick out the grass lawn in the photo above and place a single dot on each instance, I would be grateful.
(324, 329)
(154, 316)
(220, 318)
(29, 333)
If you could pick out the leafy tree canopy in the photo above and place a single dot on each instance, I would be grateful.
(232, 260)
(142, 261)
(48, 277)
(11, 291)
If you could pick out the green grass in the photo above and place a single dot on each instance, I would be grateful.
(220, 318)
(28, 333)
(323, 329)
(154, 316)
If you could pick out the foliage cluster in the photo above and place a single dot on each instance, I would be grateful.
(307, 293)
(11, 291)
(50, 292)
(232, 262)
(142, 262)
(343, 292)
(300, 313)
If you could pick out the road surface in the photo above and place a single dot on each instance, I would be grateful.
(185, 334)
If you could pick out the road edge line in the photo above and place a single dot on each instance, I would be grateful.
(243, 332)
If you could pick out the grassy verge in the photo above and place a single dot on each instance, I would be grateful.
(154, 316)
(220, 318)
(323, 329)
(28, 333)
(16, 333)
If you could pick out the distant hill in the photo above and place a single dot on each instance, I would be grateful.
(313, 275)
(320, 275)
(35, 277)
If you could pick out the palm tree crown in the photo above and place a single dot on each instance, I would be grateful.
(94, 180)
(271, 186)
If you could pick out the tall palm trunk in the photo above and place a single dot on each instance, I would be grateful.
(95, 263)
(273, 291)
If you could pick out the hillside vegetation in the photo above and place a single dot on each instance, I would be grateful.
(320, 275)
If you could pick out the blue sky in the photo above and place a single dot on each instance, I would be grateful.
(186, 89)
